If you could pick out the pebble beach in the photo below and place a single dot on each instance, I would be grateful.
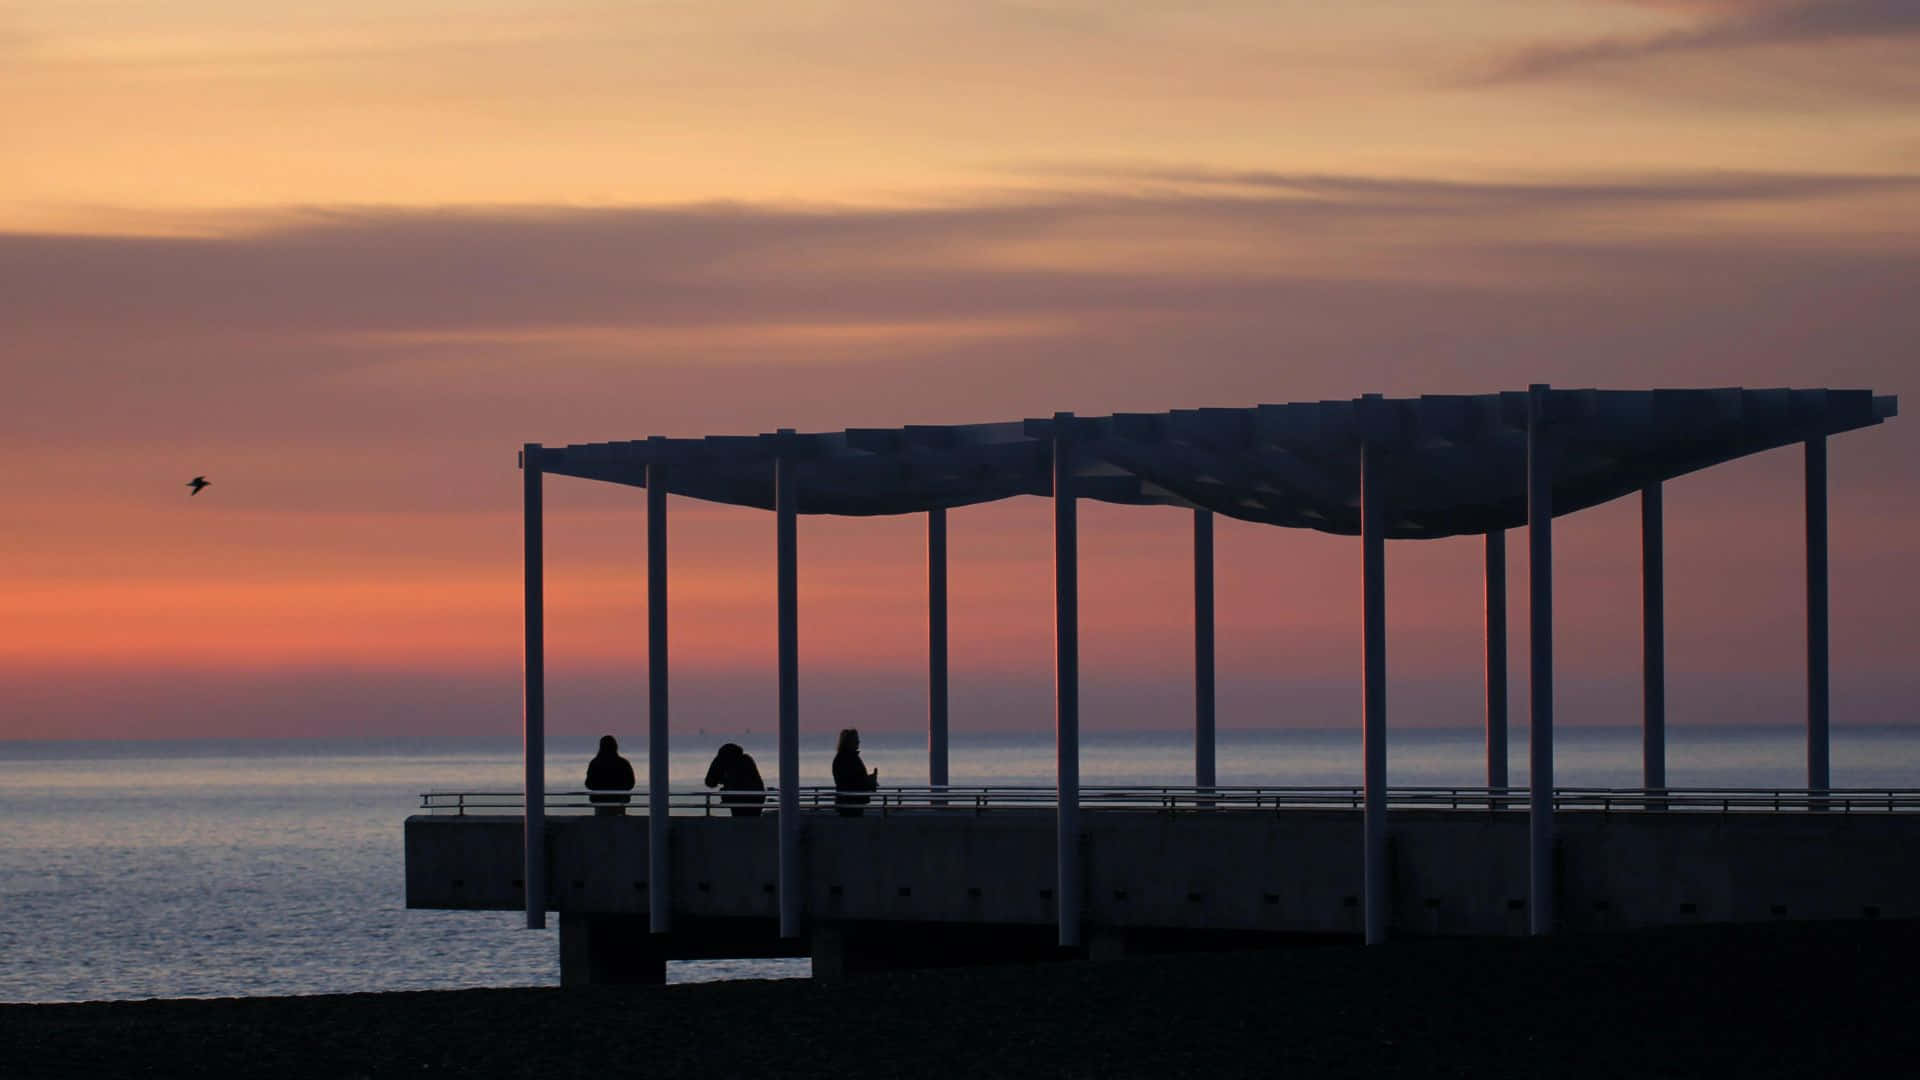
(1784, 1000)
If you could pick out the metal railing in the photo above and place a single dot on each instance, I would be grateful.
(966, 799)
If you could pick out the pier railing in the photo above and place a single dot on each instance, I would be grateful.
(964, 799)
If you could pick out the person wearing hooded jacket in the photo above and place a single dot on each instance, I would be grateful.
(850, 774)
(608, 771)
(733, 770)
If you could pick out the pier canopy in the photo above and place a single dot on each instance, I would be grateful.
(1374, 467)
(1448, 465)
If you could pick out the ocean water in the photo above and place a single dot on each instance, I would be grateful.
(219, 868)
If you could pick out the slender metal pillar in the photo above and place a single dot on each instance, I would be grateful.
(1373, 606)
(937, 647)
(1066, 683)
(659, 882)
(1203, 667)
(1540, 588)
(785, 493)
(1653, 623)
(1497, 659)
(534, 686)
(1819, 778)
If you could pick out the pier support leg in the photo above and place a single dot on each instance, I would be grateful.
(1373, 563)
(609, 950)
(827, 945)
(534, 689)
(1203, 666)
(937, 647)
(1653, 606)
(1818, 770)
(841, 949)
(1496, 619)
(1066, 667)
(659, 848)
(785, 504)
(1540, 620)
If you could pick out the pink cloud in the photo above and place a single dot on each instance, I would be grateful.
(1728, 25)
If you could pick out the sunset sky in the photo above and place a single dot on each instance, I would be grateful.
(344, 261)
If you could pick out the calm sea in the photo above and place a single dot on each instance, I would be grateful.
(217, 868)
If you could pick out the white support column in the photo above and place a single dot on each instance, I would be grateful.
(1203, 665)
(1496, 619)
(1373, 606)
(1653, 623)
(1819, 777)
(937, 647)
(534, 687)
(1066, 681)
(659, 880)
(785, 499)
(1540, 587)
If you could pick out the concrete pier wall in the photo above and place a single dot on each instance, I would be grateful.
(1296, 872)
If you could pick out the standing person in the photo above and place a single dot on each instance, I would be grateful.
(608, 771)
(850, 774)
(733, 770)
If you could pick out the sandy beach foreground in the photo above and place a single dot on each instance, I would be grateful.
(1782, 1000)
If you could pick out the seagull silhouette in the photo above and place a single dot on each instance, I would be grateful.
(196, 484)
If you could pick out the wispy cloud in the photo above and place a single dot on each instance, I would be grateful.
(1727, 25)
(1370, 193)
(392, 321)
(1137, 240)
(355, 384)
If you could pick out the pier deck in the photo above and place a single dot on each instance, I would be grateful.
(967, 884)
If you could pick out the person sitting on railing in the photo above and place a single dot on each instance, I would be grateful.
(850, 774)
(608, 771)
(733, 770)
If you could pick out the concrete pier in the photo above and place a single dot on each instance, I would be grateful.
(609, 950)
(931, 890)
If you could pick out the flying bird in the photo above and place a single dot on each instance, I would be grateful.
(196, 484)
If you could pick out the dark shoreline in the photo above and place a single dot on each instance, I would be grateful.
(1786, 1000)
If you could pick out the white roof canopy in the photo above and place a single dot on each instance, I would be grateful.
(1455, 464)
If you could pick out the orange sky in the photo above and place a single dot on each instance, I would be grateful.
(344, 263)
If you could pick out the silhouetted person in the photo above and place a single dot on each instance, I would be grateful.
(608, 771)
(850, 774)
(733, 770)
